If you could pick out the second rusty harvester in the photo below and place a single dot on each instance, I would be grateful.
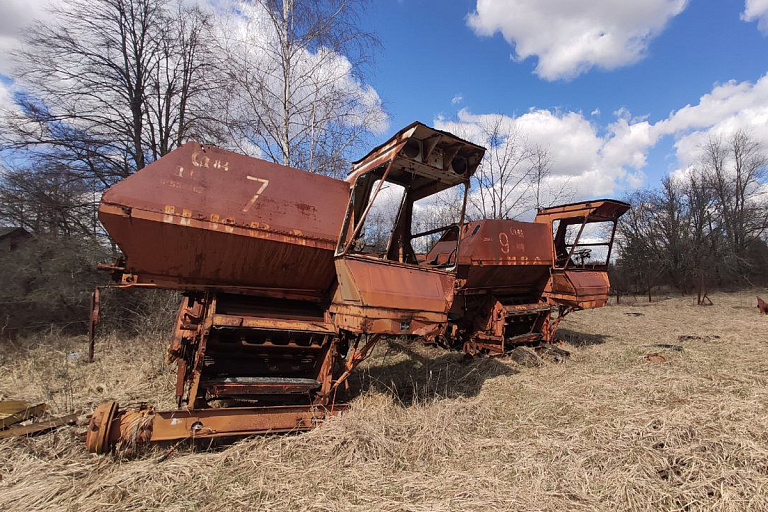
(284, 295)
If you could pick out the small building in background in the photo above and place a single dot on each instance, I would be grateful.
(11, 238)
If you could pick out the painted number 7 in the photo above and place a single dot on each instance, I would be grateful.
(263, 186)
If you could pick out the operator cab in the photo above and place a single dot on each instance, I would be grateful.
(582, 240)
(583, 233)
(384, 283)
(398, 177)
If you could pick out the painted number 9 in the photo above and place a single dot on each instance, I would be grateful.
(504, 241)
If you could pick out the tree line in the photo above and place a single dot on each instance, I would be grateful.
(112, 85)
(704, 227)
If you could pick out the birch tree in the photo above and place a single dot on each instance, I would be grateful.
(293, 76)
(515, 176)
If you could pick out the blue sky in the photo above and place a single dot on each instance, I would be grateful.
(621, 92)
(707, 43)
(430, 54)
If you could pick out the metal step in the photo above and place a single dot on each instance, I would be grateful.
(239, 386)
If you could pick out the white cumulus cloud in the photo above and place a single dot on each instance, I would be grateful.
(16, 16)
(729, 107)
(756, 10)
(605, 160)
(570, 37)
(592, 164)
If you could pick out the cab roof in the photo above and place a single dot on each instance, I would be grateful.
(423, 159)
(595, 211)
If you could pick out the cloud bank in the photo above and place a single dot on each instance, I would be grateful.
(604, 160)
(571, 37)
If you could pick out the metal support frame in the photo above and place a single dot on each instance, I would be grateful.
(94, 320)
(355, 358)
(359, 223)
(575, 242)
(109, 428)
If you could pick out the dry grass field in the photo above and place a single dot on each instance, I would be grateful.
(431, 431)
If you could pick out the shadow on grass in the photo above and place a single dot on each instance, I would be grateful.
(580, 339)
(411, 376)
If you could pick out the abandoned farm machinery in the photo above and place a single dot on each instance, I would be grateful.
(284, 294)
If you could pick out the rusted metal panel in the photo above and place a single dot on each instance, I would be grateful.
(15, 411)
(588, 284)
(505, 242)
(596, 210)
(235, 386)
(378, 296)
(202, 215)
(184, 257)
(529, 279)
(170, 425)
(383, 284)
(272, 324)
(504, 256)
(583, 289)
(360, 319)
(39, 426)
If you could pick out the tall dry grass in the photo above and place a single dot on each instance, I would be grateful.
(605, 430)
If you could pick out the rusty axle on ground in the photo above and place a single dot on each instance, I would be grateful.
(110, 427)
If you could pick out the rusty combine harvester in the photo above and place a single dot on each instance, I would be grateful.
(283, 298)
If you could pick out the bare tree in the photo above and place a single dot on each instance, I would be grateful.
(293, 75)
(45, 200)
(503, 182)
(673, 231)
(640, 243)
(548, 190)
(668, 236)
(705, 251)
(735, 169)
(176, 101)
(515, 176)
(706, 229)
(110, 86)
